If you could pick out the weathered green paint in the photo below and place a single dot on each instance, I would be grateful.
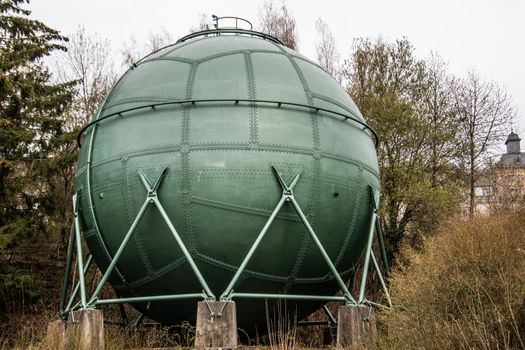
(219, 189)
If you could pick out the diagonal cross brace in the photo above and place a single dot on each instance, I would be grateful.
(151, 198)
(75, 290)
(287, 192)
(152, 190)
(287, 189)
(287, 196)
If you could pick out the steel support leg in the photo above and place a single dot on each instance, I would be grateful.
(369, 255)
(123, 315)
(331, 317)
(80, 257)
(381, 279)
(67, 270)
(367, 259)
(77, 287)
(381, 242)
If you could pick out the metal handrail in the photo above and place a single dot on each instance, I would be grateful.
(217, 19)
(236, 101)
(220, 31)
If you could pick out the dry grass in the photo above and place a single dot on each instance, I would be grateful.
(25, 331)
(181, 336)
(282, 331)
(466, 290)
(29, 332)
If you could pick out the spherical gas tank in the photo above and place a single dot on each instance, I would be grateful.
(216, 115)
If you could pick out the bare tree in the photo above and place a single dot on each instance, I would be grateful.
(159, 40)
(279, 22)
(88, 64)
(134, 51)
(204, 23)
(88, 60)
(438, 106)
(485, 112)
(327, 54)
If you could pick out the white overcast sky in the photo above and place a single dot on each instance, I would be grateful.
(485, 35)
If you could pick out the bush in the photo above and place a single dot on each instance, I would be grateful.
(465, 290)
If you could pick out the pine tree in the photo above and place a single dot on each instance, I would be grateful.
(32, 136)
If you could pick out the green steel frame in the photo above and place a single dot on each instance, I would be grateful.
(151, 198)
(206, 294)
(288, 196)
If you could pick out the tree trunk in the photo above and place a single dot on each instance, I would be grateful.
(472, 179)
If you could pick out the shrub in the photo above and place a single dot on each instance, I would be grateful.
(464, 290)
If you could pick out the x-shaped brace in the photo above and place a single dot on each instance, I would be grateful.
(152, 199)
(287, 196)
(287, 189)
(152, 190)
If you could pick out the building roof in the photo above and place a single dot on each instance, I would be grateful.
(514, 158)
(512, 137)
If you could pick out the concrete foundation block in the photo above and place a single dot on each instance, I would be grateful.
(217, 329)
(56, 335)
(86, 328)
(356, 326)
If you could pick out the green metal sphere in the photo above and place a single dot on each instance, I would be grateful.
(219, 189)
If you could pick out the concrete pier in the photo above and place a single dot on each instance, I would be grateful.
(56, 335)
(217, 329)
(356, 326)
(83, 330)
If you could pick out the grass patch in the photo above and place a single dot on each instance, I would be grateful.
(464, 290)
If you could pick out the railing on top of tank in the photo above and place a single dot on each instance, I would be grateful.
(227, 30)
(216, 19)
(236, 101)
